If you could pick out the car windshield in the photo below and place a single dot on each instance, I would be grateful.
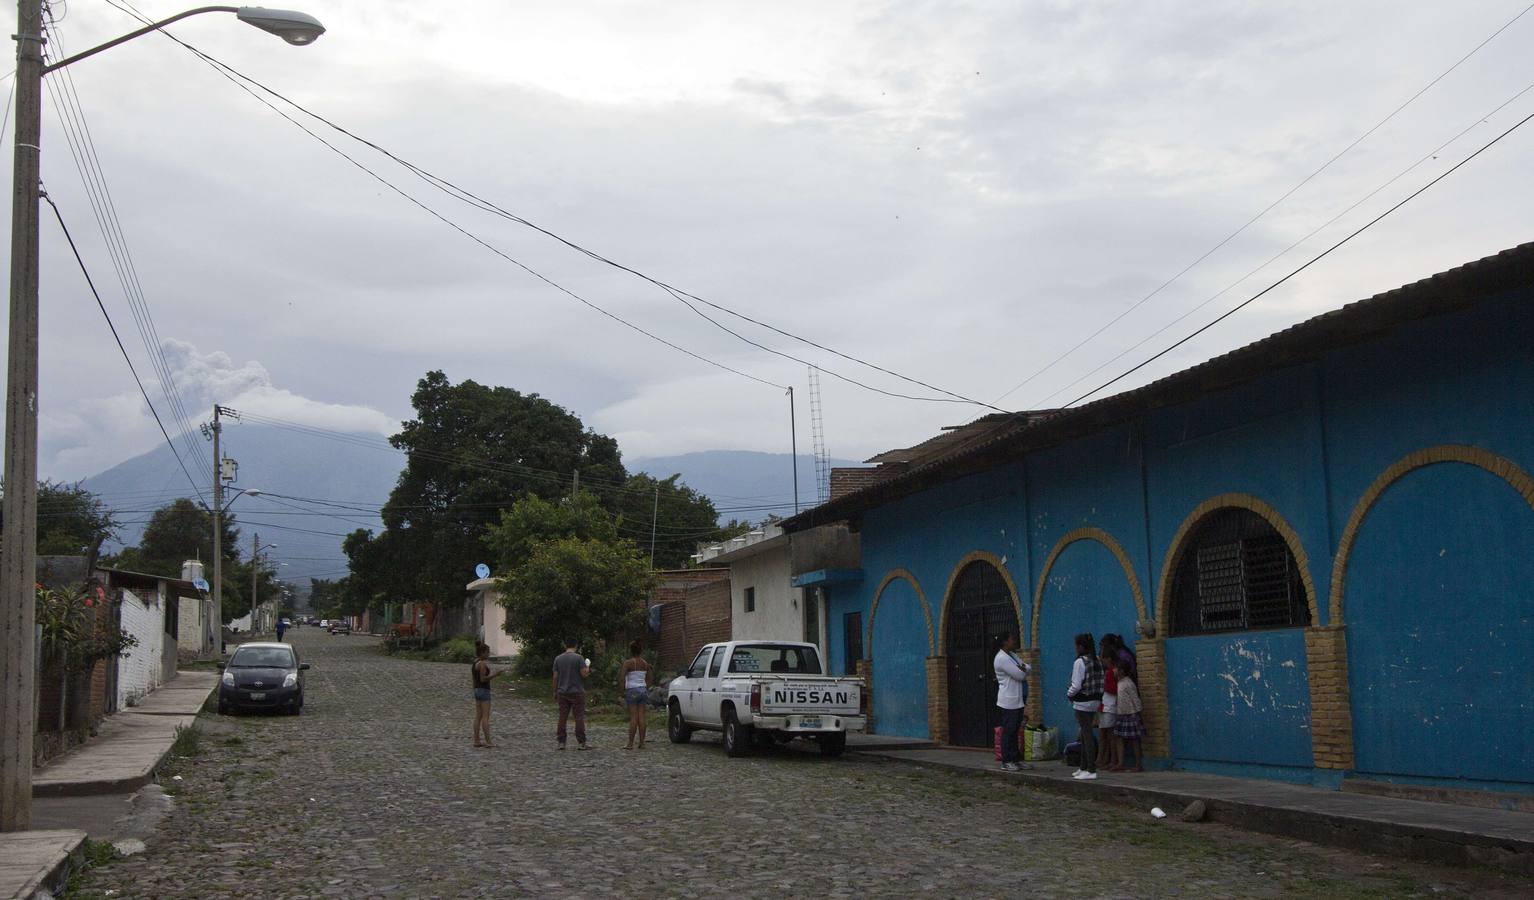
(775, 658)
(262, 657)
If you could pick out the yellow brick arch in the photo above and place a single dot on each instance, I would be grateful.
(1180, 539)
(1084, 534)
(903, 575)
(996, 563)
(1499, 466)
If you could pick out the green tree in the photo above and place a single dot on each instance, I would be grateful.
(575, 587)
(182, 530)
(533, 520)
(71, 521)
(679, 517)
(472, 450)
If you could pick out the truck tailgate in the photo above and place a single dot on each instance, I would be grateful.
(827, 697)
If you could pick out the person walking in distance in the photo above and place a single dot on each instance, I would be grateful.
(634, 678)
(1011, 698)
(481, 673)
(282, 628)
(1086, 696)
(570, 671)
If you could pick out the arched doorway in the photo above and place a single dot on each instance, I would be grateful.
(979, 609)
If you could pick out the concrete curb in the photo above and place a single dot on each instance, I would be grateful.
(49, 857)
(1444, 844)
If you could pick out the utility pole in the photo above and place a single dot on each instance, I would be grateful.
(218, 529)
(654, 518)
(18, 534)
(576, 487)
(793, 443)
(255, 566)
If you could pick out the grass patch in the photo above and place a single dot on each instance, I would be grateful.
(93, 853)
(188, 742)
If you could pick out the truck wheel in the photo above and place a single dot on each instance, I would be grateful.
(737, 737)
(676, 728)
(833, 745)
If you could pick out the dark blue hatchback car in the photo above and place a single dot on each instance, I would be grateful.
(262, 676)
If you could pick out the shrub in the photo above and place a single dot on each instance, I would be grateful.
(457, 650)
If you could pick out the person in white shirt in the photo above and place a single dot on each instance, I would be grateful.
(1086, 696)
(1011, 698)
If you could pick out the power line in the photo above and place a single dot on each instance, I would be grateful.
(1313, 260)
(118, 338)
(452, 190)
(1267, 209)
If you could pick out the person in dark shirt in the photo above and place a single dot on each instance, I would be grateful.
(570, 670)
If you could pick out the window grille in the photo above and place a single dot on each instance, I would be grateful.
(1237, 574)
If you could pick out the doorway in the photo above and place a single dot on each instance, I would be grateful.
(979, 611)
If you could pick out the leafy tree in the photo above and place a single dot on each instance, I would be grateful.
(681, 517)
(71, 521)
(472, 450)
(568, 573)
(183, 530)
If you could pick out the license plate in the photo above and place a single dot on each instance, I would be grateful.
(809, 721)
(258, 696)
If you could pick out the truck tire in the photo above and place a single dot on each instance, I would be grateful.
(676, 728)
(737, 737)
(833, 745)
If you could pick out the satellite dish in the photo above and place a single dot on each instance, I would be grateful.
(482, 571)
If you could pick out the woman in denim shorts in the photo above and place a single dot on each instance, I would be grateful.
(482, 673)
(634, 677)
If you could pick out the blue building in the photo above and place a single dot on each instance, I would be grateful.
(1321, 544)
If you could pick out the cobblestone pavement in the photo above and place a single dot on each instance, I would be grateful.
(376, 791)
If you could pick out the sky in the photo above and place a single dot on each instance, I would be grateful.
(958, 192)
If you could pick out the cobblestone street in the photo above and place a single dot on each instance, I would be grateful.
(376, 791)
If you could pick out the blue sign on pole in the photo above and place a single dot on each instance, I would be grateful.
(482, 570)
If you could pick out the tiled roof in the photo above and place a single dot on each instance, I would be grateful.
(1006, 437)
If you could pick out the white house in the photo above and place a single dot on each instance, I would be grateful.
(764, 603)
(147, 610)
(492, 625)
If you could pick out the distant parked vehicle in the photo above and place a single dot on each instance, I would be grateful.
(340, 626)
(262, 676)
(324, 623)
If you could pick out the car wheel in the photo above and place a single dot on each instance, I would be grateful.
(737, 737)
(833, 745)
(676, 728)
(223, 708)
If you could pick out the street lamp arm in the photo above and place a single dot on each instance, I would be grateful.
(155, 26)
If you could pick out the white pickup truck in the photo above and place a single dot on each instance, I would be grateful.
(764, 692)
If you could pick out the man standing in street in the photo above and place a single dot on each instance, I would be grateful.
(282, 628)
(570, 668)
(1011, 699)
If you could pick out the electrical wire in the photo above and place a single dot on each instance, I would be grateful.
(241, 80)
(1267, 209)
(1312, 261)
(118, 338)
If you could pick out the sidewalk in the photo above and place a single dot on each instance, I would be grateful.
(130, 744)
(1436, 832)
(36, 863)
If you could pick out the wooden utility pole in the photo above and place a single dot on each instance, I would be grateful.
(255, 569)
(18, 534)
(654, 519)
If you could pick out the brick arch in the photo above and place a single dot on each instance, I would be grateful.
(1071, 537)
(1499, 466)
(1217, 502)
(996, 563)
(921, 597)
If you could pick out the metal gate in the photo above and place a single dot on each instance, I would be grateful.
(980, 611)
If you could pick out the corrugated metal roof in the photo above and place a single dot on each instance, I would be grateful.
(1363, 320)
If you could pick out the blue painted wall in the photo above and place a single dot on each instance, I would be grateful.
(1086, 591)
(1240, 698)
(1438, 604)
(900, 673)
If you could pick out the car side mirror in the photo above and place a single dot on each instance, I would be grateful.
(220, 664)
(303, 665)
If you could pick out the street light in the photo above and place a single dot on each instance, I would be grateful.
(255, 570)
(18, 507)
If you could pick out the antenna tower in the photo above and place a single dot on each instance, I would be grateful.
(818, 433)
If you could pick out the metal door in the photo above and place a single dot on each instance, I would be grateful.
(981, 611)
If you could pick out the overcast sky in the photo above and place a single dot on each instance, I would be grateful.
(956, 191)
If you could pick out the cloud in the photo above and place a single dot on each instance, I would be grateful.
(96, 433)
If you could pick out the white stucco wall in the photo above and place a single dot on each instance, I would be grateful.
(190, 631)
(778, 615)
(501, 643)
(138, 672)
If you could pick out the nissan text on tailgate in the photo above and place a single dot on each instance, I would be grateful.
(763, 692)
